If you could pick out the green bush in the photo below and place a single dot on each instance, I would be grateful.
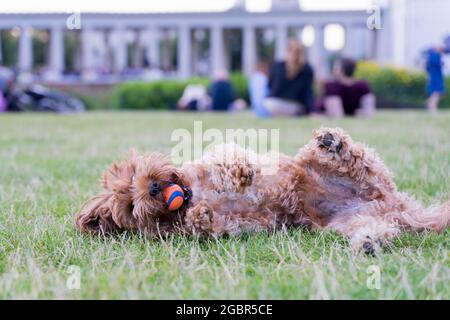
(162, 94)
(155, 95)
(100, 101)
(396, 86)
(445, 103)
(240, 85)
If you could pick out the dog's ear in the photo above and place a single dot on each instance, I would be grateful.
(95, 216)
(119, 172)
(177, 176)
(117, 181)
(122, 204)
(317, 132)
(133, 154)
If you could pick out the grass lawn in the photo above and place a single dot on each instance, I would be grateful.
(50, 164)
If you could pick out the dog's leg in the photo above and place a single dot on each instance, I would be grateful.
(366, 233)
(218, 218)
(202, 220)
(231, 167)
(332, 153)
(355, 172)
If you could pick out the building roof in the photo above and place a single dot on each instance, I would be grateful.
(172, 6)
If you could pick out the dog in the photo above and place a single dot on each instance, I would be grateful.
(131, 198)
(332, 183)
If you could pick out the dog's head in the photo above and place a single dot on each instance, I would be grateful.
(132, 198)
(153, 173)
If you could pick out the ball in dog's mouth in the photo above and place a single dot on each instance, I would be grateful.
(173, 196)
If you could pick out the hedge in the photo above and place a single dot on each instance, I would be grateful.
(394, 88)
(397, 87)
(163, 94)
(99, 101)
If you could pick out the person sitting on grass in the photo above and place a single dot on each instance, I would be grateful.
(344, 95)
(222, 94)
(258, 89)
(194, 98)
(2, 94)
(6, 88)
(290, 84)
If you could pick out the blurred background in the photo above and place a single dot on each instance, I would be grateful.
(96, 51)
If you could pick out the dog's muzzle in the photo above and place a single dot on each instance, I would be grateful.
(154, 189)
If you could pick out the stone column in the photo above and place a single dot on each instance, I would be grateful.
(138, 58)
(195, 53)
(1, 56)
(370, 44)
(165, 57)
(25, 50)
(249, 50)
(184, 52)
(281, 41)
(316, 52)
(348, 49)
(120, 47)
(87, 63)
(153, 47)
(56, 52)
(108, 53)
(217, 48)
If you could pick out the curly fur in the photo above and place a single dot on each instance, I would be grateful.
(331, 183)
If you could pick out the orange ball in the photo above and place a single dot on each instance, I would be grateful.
(173, 197)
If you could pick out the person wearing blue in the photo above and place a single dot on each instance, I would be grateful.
(259, 89)
(6, 84)
(435, 87)
(221, 92)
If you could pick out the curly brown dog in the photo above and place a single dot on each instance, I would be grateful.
(132, 199)
(331, 183)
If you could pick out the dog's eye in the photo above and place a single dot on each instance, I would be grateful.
(155, 189)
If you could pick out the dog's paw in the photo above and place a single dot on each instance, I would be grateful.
(200, 219)
(330, 142)
(245, 175)
(371, 247)
(367, 245)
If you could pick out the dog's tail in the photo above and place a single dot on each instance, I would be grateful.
(415, 217)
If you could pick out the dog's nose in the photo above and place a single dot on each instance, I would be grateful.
(154, 189)
(328, 139)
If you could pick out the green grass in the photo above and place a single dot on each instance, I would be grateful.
(50, 164)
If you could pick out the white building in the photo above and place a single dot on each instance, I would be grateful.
(192, 43)
(413, 26)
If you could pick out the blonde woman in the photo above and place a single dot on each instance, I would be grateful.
(290, 84)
